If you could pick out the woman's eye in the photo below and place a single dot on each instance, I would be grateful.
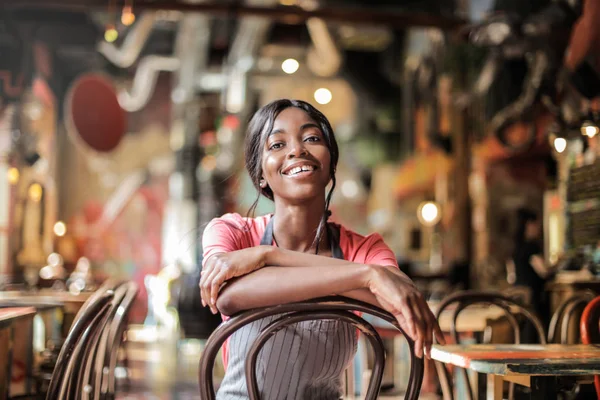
(275, 146)
(313, 139)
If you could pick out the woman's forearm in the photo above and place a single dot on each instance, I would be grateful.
(271, 286)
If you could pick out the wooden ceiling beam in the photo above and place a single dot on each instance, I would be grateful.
(292, 15)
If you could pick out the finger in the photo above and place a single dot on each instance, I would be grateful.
(217, 282)
(203, 286)
(419, 348)
(409, 317)
(439, 334)
(203, 275)
(429, 322)
(420, 323)
(209, 285)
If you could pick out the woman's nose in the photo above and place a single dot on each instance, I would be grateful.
(297, 149)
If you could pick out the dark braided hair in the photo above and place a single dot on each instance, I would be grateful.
(261, 125)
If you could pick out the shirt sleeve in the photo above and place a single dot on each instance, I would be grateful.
(219, 237)
(379, 253)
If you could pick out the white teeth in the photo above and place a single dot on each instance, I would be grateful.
(302, 168)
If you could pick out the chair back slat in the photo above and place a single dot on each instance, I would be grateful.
(333, 307)
(564, 314)
(79, 328)
(467, 298)
(292, 318)
(115, 338)
(94, 362)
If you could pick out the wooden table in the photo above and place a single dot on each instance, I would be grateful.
(71, 303)
(534, 366)
(9, 317)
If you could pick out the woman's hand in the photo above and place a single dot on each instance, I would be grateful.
(222, 267)
(398, 295)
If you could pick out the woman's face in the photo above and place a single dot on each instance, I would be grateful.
(296, 159)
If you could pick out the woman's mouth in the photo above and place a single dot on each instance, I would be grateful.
(299, 170)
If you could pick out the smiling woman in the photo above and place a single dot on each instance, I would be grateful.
(295, 254)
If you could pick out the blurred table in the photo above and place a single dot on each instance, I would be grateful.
(70, 303)
(535, 366)
(12, 320)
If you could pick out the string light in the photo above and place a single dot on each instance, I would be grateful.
(35, 192)
(560, 144)
(127, 15)
(60, 229)
(13, 175)
(589, 129)
(323, 95)
(290, 66)
(110, 34)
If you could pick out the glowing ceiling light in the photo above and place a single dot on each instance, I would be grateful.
(13, 175)
(429, 213)
(323, 96)
(111, 34)
(560, 144)
(60, 229)
(589, 129)
(290, 66)
(127, 16)
(35, 192)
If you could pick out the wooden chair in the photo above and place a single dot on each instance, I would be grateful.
(66, 374)
(558, 330)
(97, 380)
(115, 333)
(91, 340)
(330, 308)
(94, 358)
(590, 330)
(468, 298)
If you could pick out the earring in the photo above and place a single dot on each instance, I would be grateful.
(263, 183)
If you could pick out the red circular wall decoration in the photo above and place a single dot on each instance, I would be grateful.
(94, 113)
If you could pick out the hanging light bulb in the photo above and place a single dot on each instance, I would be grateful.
(560, 144)
(589, 129)
(111, 34)
(127, 15)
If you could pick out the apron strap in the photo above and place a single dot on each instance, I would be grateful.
(333, 233)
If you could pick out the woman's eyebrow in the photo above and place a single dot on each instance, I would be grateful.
(276, 131)
(302, 128)
(309, 125)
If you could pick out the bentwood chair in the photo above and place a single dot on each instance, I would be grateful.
(328, 308)
(67, 372)
(590, 330)
(458, 302)
(98, 377)
(565, 314)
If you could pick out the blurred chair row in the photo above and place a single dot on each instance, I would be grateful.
(85, 366)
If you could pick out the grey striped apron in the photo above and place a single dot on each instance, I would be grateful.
(303, 361)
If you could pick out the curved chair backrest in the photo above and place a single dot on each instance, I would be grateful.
(115, 335)
(94, 353)
(590, 330)
(79, 333)
(463, 300)
(109, 284)
(330, 308)
(558, 330)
